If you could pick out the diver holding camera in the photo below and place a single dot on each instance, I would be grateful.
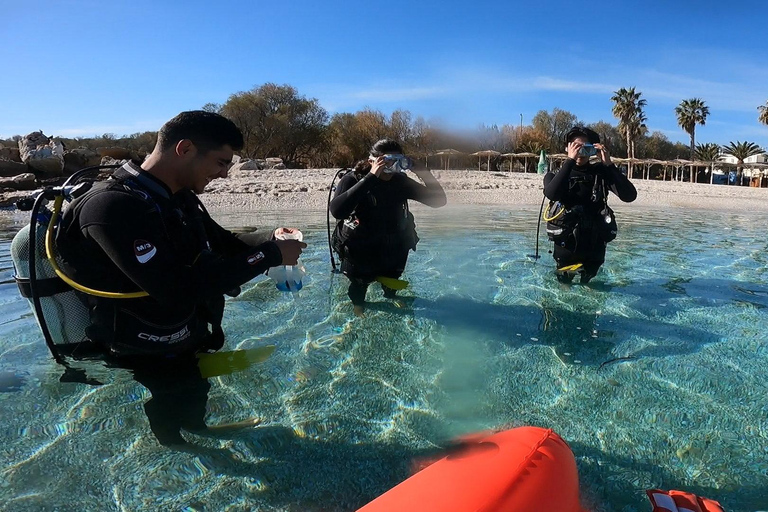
(375, 228)
(579, 220)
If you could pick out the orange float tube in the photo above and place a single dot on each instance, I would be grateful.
(679, 501)
(522, 469)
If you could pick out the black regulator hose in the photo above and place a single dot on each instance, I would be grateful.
(340, 174)
(536, 256)
(85, 170)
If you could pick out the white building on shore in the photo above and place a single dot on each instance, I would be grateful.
(761, 158)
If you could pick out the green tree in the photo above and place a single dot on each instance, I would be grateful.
(531, 140)
(554, 126)
(421, 144)
(277, 121)
(709, 152)
(690, 113)
(628, 109)
(609, 135)
(741, 151)
(401, 127)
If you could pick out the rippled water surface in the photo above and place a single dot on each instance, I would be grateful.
(655, 374)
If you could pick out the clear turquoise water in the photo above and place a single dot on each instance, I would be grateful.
(655, 374)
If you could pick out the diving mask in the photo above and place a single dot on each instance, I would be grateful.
(397, 163)
(588, 150)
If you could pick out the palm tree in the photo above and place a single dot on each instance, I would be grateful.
(709, 152)
(741, 151)
(628, 109)
(763, 116)
(690, 113)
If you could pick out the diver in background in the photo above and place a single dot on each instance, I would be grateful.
(375, 229)
(579, 220)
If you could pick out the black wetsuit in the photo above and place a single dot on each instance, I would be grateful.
(129, 234)
(376, 229)
(583, 191)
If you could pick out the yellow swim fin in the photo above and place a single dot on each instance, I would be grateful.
(571, 268)
(391, 282)
(224, 363)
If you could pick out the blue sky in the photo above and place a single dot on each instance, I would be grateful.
(87, 67)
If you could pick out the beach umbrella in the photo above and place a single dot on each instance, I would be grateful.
(448, 153)
(647, 164)
(511, 156)
(696, 163)
(486, 152)
(557, 157)
(542, 167)
(678, 164)
(629, 162)
(525, 157)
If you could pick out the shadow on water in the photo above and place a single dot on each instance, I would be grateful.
(301, 473)
(702, 291)
(576, 337)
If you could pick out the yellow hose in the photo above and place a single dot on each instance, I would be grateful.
(59, 200)
(558, 214)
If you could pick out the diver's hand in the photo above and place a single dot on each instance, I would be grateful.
(378, 165)
(573, 149)
(605, 156)
(290, 250)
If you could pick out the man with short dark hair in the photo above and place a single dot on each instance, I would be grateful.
(579, 221)
(145, 232)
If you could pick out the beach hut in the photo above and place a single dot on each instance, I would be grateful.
(447, 153)
(487, 153)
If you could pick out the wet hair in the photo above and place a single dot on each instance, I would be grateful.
(206, 130)
(362, 167)
(385, 146)
(581, 131)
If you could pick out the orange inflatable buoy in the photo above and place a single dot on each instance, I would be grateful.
(679, 501)
(522, 469)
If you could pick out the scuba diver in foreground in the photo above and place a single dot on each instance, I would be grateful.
(579, 220)
(144, 236)
(375, 229)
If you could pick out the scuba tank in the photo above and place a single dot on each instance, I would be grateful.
(60, 312)
(339, 174)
